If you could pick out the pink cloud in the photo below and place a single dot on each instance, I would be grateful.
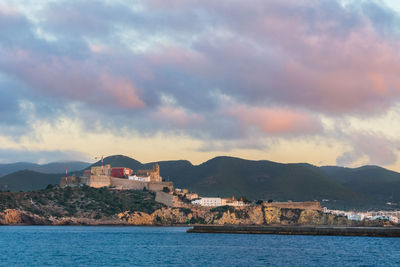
(318, 56)
(76, 80)
(176, 116)
(275, 120)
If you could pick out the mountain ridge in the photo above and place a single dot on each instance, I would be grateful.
(226, 176)
(51, 167)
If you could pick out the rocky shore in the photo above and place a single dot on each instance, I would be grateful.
(255, 215)
(90, 206)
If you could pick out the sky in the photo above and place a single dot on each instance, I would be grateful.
(282, 80)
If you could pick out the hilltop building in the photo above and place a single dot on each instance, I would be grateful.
(152, 175)
(119, 178)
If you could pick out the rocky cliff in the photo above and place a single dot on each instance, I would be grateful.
(89, 206)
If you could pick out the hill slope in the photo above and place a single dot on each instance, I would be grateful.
(375, 181)
(365, 187)
(53, 167)
(28, 180)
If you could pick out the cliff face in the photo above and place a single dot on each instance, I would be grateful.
(255, 215)
(15, 217)
(90, 206)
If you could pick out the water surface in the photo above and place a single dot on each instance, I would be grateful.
(172, 246)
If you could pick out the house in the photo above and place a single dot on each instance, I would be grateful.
(154, 174)
(138, 178)
(121, 172)
(208, 201)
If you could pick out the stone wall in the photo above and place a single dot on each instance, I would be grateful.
(166, 199)
(119, 183)
(310, 205)
(158, 186)
(99, 181)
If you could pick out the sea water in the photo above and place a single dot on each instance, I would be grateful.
(172, 246)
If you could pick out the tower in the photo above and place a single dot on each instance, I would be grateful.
(156, 169)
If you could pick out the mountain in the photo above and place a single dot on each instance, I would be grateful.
(28, 180)
(54, 167)
(375, 181)
(338, 187)
(119, 161)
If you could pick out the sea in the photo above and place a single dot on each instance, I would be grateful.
(172, 246)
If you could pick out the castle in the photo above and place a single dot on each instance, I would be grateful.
(119, 178)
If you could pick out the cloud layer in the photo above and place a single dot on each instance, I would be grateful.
(230, 72)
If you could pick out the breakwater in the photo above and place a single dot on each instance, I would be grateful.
(299, 230)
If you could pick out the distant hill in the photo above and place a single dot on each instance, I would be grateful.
(375, 181)
(54, 167)
(229, 176)
(28, 180)
(344, 188)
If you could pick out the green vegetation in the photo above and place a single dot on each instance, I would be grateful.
(85, 202)
(28, 180)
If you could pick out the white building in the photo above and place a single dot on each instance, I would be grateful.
(139, 178)
(208, 201)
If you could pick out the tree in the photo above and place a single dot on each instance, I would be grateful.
(49, 186)
(245, 200)
(166, 189)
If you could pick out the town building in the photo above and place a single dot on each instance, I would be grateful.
(101, 170)
(191, 196)
(153, 174)
(140, 179)
(121, 172)
(208, 201)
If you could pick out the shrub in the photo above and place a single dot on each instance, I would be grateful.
(166, 189)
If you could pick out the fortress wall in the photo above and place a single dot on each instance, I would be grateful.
(99, 181)
(119, 183)
(309, 205)
(158, 186)
(166, 199)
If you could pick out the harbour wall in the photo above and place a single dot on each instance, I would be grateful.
(300, 230)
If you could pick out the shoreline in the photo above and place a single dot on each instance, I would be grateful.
(299, 230)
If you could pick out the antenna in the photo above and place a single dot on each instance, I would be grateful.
(102, 163)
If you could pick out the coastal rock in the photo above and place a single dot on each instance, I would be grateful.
(171, 216)
(256, 215)
(136, 218)
(11, 216)
(272, 215)
(227, 218)
(309, 217)
(15, 217)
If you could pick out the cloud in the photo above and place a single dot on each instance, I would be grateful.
(66, 78)
(281, 65)
(376, 148)
(177, 116)
(276, 121)
(40, 156)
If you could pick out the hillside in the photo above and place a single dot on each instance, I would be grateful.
(104, 206)
(53, 167)
(83, 202)
(344, 188)
(368, 180)
(28, 180)
(228, 176)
